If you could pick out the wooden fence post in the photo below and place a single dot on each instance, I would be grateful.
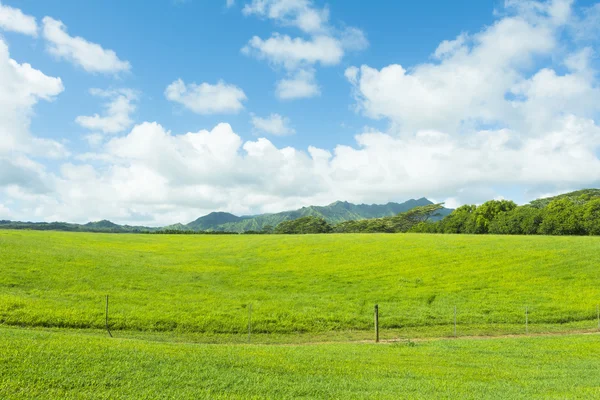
(106, 319)
(526, 320)
(376, 323)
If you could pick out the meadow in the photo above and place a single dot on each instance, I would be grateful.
(300, 287)
(46, 364)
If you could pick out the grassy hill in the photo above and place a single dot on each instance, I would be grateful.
(169, 290)
(315, 284)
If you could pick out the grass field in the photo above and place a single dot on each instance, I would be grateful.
(322, 286)
(312, 301)
(50, 365)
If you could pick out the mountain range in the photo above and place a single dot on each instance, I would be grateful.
(333, 213)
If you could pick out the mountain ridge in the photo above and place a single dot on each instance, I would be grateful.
(219, 221)
(336, 212)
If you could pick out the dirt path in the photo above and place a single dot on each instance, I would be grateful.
(431, 339)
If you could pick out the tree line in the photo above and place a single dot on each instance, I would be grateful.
(576, 213)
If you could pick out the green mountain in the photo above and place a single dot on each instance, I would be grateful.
(104, 224)
(334, 213)
(578, 196)
(212, 221)
(176, 227)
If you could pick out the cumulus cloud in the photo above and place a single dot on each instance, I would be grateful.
(206, 98)
(156, 177)
(292, 53)
(13, 19)
(118, 110)
(477, 77)
(90, 56)
(324, 46)
(301, 84)
(274, 124)
(298, 13)
(21, 88)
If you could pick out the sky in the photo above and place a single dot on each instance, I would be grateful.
(153, 113)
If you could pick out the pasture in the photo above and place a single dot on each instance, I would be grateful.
(301, 288)
(63, 364)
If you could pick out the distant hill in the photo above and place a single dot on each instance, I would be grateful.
(104, 224)
(339, 211)
(99, 226)
(212, 221)
(578, 196)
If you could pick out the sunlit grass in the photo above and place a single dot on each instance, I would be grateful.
(64, 365)
(311, 285)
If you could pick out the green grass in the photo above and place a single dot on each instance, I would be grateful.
(43, 364)
(314, 287)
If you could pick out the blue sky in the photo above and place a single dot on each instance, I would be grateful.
(265, 105)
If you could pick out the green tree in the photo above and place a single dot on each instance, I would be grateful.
(426, 227)
(562, 217)
(485, 213)
(524, 220)
(591, 217)
(303, 225)
(461, 220)
(404, 222)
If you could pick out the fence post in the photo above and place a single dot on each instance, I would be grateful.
(106, 319)
(249, 321)
(376, 323)
(454, 321)
(526, 320)
(598, 313)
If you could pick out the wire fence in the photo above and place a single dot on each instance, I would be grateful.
(457, 322)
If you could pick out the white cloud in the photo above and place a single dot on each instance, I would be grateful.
(301, 84)
(292, 53)
(117, 116)
(13, 19)
(468, 86)
(325, 46)
(298, 13)
(155, 177)
(94, 139)
(230, 3)
(21, 87)
(206, 98)
(274, 124)
(353, 39)
(90, 56)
